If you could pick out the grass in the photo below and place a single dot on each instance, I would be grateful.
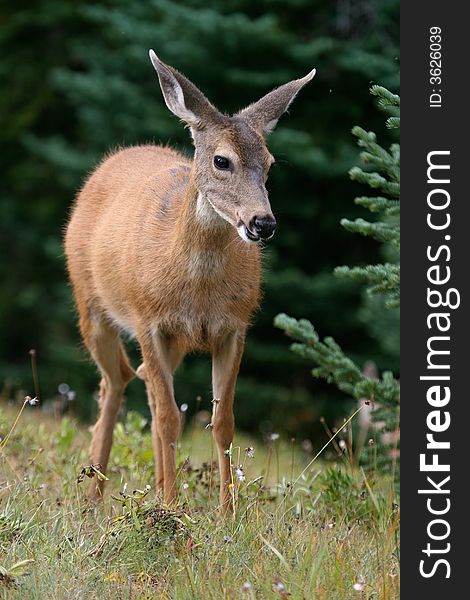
(332, 535)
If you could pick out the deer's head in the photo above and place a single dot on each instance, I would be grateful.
(231, 158)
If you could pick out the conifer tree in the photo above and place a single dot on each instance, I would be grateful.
(382, 279)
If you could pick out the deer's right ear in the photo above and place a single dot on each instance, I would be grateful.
(181, 96)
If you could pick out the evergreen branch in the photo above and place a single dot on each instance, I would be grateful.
(334, 365)
(383, 279)
(386, 275)
(379, 204)
(368, 140)
(395, 152)
(387, 100)
(389, 165)
(393, 122)
(376, 181)
(394, 300)
(382, 232)
(374, 154)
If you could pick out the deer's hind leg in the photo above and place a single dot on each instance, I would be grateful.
(103, 342)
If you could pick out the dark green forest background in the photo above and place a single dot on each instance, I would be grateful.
(77, 82)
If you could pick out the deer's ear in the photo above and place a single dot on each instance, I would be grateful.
(181, 96)
(264, 114)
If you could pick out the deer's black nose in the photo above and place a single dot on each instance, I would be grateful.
(264, 226)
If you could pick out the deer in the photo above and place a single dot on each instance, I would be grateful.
(167, 249)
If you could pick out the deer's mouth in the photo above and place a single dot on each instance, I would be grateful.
(251, 236)
(246, 234)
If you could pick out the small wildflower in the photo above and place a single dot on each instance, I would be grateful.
(31, 401)
(280, 588)
(359, 585)
(185, 486)
(370, 442)
(184, 407)
(250, 452)
(239, 473)
(71, 395)
(63, 388)
(273, 437)
(342, 444)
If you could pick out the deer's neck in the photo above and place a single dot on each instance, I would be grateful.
(198, 225)
(203, 241)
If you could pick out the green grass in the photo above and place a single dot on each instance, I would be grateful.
(332, 535)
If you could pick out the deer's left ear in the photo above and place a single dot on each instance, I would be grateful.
(264, 114)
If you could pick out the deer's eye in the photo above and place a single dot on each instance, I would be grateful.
(220, 162)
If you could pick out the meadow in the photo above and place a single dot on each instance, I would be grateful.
(304, 527)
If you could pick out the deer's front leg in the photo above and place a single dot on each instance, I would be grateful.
(158, 352)
(225, 365)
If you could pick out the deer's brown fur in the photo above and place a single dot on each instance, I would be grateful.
(157, 246)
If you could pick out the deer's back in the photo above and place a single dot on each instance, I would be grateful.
(111, 194)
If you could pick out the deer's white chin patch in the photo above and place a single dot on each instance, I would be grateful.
(207, 213)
